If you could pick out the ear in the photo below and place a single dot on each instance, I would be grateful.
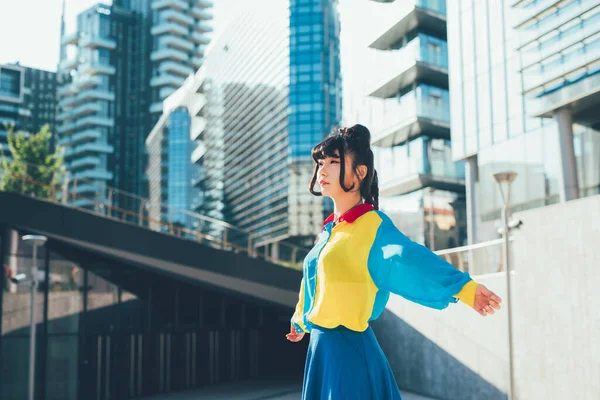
(362, 171)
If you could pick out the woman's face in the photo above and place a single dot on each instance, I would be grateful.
(328, 176)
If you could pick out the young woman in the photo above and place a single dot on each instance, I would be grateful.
(359, 258)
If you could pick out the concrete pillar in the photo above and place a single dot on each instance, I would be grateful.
(471, 178)
(569, 188)
(275, 251)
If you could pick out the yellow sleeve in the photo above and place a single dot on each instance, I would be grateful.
(467, 293)
(298, 317)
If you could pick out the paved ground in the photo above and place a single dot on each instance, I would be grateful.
(255, 390)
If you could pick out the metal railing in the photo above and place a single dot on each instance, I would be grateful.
(96, 197)
(476, 259)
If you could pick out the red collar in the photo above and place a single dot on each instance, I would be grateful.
(351, 215)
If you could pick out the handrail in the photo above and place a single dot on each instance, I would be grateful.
(106, 201)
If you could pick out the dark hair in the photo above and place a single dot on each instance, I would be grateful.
(356, 140)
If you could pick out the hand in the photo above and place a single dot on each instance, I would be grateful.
(293, 336)
(486, 301)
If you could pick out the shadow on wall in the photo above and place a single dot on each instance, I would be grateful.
(422, 367)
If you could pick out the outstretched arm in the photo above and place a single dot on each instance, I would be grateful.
(406, 268)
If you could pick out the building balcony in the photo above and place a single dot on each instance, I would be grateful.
(176, 68)
(169, 54)
(87, 81)
(169, 27)
(175, 4)
(416, 62)
(96, 68)
(176, 16)
(202, 3)
(96, 121)
(197, 128)
(95, 94)
(89, 162)
(67, 90)
(68, 65)
(203, 27)
(167, 80)
(423, 162)
(85, 188)
(397, 123)
(175, 42)
(77, 112)
(72, 38)
(88, 148)
(86, 136)
(401, 17)
(197, 61)
(95, 42)
(94, 174)
(200, 38)
(198, 153)
(66, 128)
(165, 92)
(201, 13)
(544, 16)
(156, 107)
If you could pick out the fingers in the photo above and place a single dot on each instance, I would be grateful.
(294, 337)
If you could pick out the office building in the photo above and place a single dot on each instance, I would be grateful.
(118, 67)
(171, 174)
(420, 186)
(27, 100)
(274, 91)
(525, 90)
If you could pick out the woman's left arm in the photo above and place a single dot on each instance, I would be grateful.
(406, 268)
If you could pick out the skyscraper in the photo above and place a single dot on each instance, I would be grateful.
(274, 91)
(122, 62)
(420, 186)
(27, 100)
(525, 84)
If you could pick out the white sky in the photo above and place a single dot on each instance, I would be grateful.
(30, 34)
(30, 29)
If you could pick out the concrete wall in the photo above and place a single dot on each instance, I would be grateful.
(557, 325)
(457, 354)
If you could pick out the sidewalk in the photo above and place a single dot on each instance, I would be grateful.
(251, 390)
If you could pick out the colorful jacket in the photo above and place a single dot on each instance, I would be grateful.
(352, 269)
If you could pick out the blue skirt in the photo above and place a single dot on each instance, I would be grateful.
(342, 364)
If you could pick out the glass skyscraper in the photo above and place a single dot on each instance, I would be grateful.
(420, 186)
(525, 94)
(274, 91)
(170, 171)
(119, 65)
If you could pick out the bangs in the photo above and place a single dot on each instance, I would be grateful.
(330, 147)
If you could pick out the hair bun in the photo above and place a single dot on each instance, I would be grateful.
(357, 132)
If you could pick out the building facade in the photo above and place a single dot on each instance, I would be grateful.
(170, 171)
(273, 92)
(118, 67)
(525, 90)
(420, 186)
(27, 101)
(12, 95)
(40, 99)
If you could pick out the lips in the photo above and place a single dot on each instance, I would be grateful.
(322, 183)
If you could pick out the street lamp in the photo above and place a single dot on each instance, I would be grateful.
(506, 179)
(36, 240)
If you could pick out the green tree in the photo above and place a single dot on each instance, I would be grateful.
(33, 167)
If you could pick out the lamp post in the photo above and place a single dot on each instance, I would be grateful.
(506, 179)
(36, 240)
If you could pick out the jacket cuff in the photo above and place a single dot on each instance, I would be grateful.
(467, 293)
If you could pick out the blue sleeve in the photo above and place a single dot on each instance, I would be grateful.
(401, 266)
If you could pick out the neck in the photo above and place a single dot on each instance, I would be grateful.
(343, 205)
